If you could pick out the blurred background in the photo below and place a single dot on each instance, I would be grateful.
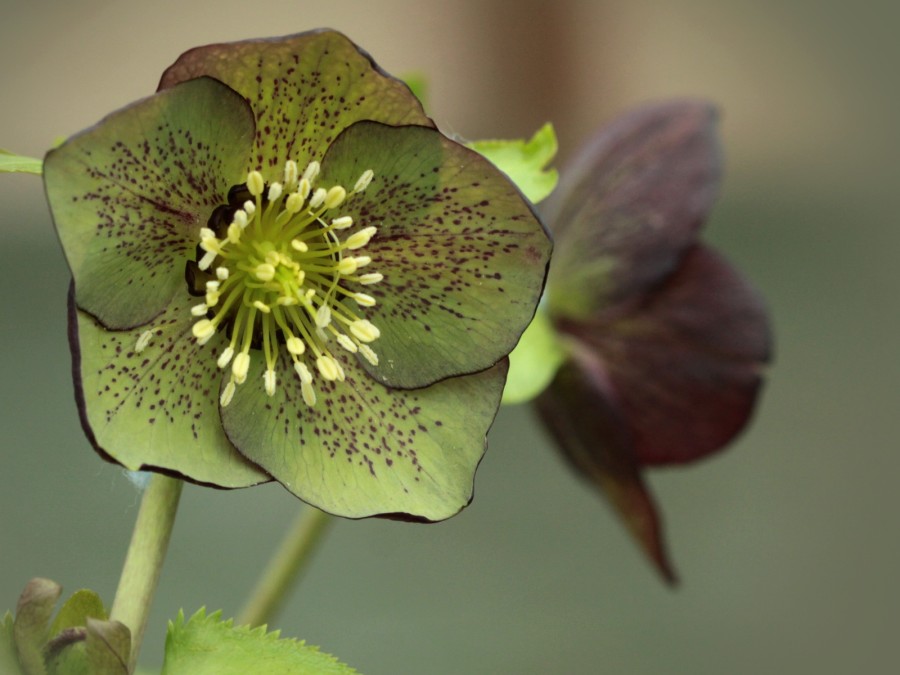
(787, 544)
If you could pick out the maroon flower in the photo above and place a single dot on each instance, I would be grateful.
(665, 341)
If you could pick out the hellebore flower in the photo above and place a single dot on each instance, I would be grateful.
(662, 342)
(281, 269)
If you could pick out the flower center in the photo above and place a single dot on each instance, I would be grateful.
(277, 267)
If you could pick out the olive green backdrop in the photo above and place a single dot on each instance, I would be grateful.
(787, 544)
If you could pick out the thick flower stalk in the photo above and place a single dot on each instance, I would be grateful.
(281, 269)
(661, 343)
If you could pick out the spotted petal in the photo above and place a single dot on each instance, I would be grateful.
(462, 253)
(129, 195)
(158, 407)
(631, 204)
(304, 90)
(365, 449)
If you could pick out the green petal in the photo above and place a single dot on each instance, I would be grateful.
(525, 162)
(129, 195)
(366, 450)
(534, 361)
(462, 253)
(157, 409)
(304, 89)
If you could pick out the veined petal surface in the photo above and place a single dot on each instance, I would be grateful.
(129, 195)
(158, 407)
(365, 449)
(462, 253)
(304, 90)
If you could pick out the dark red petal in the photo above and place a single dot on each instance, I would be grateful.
(580, 412)
(684, 360)
(630, 205)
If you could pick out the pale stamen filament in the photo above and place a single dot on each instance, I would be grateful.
(278, 277)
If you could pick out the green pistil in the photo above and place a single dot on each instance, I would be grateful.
(280, 274)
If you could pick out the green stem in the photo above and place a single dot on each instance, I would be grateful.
(285, 567)
(144, 560)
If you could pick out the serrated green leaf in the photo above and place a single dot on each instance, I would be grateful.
(206, 645)
(534, 361)
(525, 162)
(13, 163)
(77, 609)
(9, 662)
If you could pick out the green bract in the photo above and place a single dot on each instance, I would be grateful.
(283, 270)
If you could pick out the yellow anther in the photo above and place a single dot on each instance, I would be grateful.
(294, 202)
(364, 180)
(346, 343)
(255, 183)
(203, 329)
(241, 215)
(199, 310)
(207, 260)
(234, 233)
(303, 372)
(143, 340)
(290, 173)
(264, 272)
(342, 223)
(328, 368)
(312, 170)
(323, 316)
(308, 393)
(227, 394)
(318, 198)
(363, 299)
(300, 246)
(369, 355)
(361, 238)
(249, 208)
(270, 380)
(304, 188)
(365, 330)
(240, 367)
(371, 278)
(275, 191)
(225, 358)
(347, 266)
(261, 306)
(335, 197)
(295, 345)
(222, 273)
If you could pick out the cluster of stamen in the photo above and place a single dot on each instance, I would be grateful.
(278, 277)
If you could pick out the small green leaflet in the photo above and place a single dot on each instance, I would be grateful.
(205, 645)
(12, 163)
(525, 162)
(534, 361)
